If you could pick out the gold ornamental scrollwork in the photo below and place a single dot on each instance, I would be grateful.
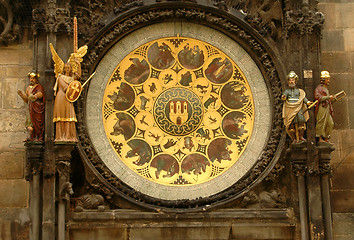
(178, 111)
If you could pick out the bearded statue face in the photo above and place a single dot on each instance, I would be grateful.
(33, 80)
(292, 82)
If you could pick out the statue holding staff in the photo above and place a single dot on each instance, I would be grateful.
(295, 113)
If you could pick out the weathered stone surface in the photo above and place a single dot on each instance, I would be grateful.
(2, 71)
(343, 225)
(262, 231)
(13, 120)
(341, 82)
(329, 10)
(179, 233)
(348, 39)
(18, 71)
(1, 86)
(332, 40)
(5, 230)
(11, 165)
(336, 62)
(16, 193)
(344, 15)
(9, 92)
(341, 116)
(99, 233)
(16, 57)
(344, 143)
(342, 171)
(14, 224)
(351, 113)
(12, 141)
(342, 201)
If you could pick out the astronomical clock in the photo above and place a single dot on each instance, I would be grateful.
(182, 114)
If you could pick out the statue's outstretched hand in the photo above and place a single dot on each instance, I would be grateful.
(32, 98)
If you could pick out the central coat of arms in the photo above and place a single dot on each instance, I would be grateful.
(178, 111)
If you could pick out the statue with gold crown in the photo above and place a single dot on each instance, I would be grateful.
(67, 88)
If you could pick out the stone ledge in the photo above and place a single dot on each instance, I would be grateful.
(227, 214)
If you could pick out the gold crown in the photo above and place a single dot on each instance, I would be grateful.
(325, 74)
(33, 74)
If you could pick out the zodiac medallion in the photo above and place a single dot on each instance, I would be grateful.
(178, 111)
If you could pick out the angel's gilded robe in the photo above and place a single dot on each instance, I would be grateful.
(64, 112)
(63, 109)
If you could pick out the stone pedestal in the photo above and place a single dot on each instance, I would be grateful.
(313, 188)
(63, 163)
(34, 164)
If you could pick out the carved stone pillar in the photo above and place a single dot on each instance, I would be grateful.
(63, 163)
(324, 171)
(298, 156)
(34, 163)
(47, 22)
(313, 179)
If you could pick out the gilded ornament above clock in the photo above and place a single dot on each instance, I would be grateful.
(178, 111)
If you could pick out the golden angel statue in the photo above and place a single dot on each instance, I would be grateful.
(64, 114)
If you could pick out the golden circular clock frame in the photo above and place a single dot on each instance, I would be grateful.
(124, 177)
(178, 111)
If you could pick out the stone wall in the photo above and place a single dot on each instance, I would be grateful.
(338, 59)
(15, 63)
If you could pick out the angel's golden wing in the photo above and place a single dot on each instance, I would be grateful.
(78, 55)
(58, 63)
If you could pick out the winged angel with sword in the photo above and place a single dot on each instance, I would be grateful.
(66, 90)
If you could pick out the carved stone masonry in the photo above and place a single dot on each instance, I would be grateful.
(34, 160)
(56, 18)
(297, 153)
(324, 156)
(63, 166)
(304, 23)
(10, 31)
(38, 20)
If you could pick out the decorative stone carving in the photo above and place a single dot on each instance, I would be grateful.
(10, 30)
(275, 173)
(57, 18)
(297, 153)
(221, 5)
(303, 23)
(324, 156)
(34, 160)
(38, 20)
(90, 201)
(65, 190)
(267, 18)
(128, 6)
(274, 198)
